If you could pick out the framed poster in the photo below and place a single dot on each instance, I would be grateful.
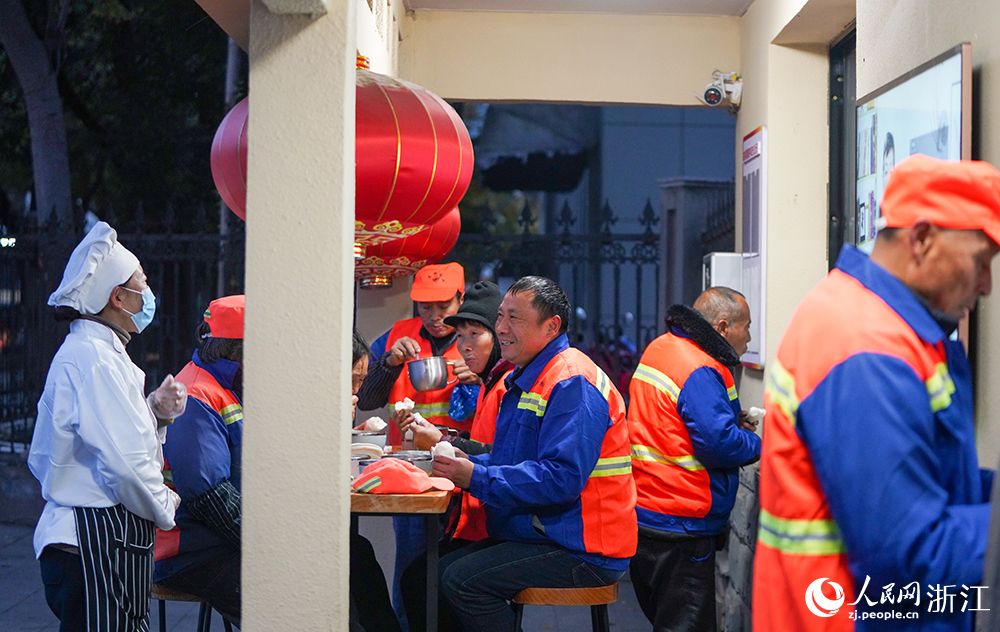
(754, 215)
(927, 111)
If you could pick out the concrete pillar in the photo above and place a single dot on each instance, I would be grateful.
(299, 274)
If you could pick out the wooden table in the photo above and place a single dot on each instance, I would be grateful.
(430, 504)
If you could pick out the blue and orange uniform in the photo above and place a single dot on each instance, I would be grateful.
(869, 475)
(432, 405)
(560, 469)
(204, 452)
(687, 448)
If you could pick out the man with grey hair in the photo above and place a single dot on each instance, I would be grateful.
(689, 439)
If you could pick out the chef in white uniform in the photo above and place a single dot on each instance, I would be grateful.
(96, 446)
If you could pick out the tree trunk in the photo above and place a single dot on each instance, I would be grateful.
(47, 125)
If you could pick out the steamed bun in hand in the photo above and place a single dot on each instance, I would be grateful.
(443, 448)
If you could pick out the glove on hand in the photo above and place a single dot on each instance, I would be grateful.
(169, 400)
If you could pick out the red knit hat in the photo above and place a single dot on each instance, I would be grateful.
(949, 194)
(225, 316)
(396, 476)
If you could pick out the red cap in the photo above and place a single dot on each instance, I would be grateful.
(949, 194)
(225, 316)
(438, 283)
(396, 476)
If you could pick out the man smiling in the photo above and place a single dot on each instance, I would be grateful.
(557, 488)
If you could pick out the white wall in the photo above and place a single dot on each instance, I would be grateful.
(300, 205)
(893, 37)
(785, 89)
(379, 32)
(583, 58)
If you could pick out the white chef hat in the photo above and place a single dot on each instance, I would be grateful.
(97, 265)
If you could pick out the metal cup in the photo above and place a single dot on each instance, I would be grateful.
(429, 374)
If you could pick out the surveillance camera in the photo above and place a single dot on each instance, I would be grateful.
(715, 92)
(725, 86)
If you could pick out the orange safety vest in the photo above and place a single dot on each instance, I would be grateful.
(472, 520)
(799, 541)
(671, 483)
(202, 386)
(604, 520)
(432, 405)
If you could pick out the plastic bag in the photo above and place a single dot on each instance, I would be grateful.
(463, 401)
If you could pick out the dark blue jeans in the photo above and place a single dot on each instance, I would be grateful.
(478, 580)
(62, 574)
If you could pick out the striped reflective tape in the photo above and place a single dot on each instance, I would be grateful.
(533, 402)
(603, 383)
(657, 379)
(731, 391)
(232, 413)
(436, 409)
(647, 453)
(369, 485)
(940, 387)
(612, 466)
(781, 389)
(800, 537)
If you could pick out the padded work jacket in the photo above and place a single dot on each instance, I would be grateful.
(560, 469)
(687, 445)
(432, 405)
(869, 474)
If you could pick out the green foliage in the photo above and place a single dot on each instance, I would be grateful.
(142, 85)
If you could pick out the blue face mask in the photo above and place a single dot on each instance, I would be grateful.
(143, 318)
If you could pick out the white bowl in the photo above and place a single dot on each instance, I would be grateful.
(365, 436)
(369, 450)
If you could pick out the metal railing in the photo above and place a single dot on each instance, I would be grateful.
(185, 270)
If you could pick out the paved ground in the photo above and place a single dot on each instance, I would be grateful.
(23, 608)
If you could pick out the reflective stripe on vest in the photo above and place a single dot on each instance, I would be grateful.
(658, 380)
(433, 409)
(803, 537)
(612, 466)
(781, 389)
(647, 453)
(603, 383)
(533, 402)
(731, 391)
(940, 387)
(232, 413)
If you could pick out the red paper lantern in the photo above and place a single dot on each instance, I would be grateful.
(229, 159)
(413, 156)
(403, 257)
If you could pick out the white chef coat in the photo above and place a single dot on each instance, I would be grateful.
(96, 442)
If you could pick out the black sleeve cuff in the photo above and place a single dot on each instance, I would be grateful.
(374, 392)
(221, 509)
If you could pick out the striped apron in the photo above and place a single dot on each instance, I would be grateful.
(116, 548)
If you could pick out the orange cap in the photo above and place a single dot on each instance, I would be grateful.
(395, 476)
(225, 316)
(438, 283)
(947, 193)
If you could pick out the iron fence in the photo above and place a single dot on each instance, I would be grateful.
(186, 266)
(611, 279)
